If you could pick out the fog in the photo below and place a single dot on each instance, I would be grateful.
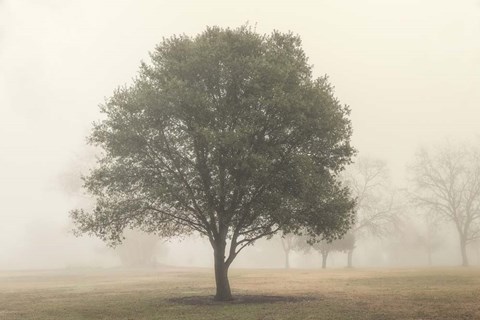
(409, 70)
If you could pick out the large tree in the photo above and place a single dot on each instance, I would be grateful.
(447, 181)
(226, 134)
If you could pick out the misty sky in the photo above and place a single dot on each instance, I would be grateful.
(409, 69)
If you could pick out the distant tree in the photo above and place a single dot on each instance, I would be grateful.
(225, 134)
(288, 244)
(447, 181)
(414, 238)
(345, 244)
(138, 249)
(431, 239)
(325, 247)
(291, 242)
(376, 210)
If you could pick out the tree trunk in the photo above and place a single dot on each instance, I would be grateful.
(287, 259)
(221, 275)
(463, 248)
(324, 260)
(350, 259)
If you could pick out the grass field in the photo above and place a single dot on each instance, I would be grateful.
(439, 293)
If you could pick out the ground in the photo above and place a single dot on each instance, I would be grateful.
(436, 293)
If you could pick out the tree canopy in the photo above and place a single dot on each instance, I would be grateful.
(226, 134)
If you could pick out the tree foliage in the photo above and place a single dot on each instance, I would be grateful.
(226, 134)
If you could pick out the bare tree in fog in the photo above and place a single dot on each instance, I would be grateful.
(225, 134)
(447, 181)
(413, 238)
(376, 211)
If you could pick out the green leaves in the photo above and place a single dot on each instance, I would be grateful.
(226, 134)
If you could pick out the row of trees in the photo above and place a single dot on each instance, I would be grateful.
(444, 188)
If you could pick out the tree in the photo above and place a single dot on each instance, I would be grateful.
(431, 239)
(288, 244)
(138, 249)
(447, 181)
(324, 247)
(225, 134)
(413, 238)
(375, 211)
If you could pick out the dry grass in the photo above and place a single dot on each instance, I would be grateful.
(439, 293)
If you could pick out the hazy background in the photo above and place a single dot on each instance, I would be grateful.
(409, 69)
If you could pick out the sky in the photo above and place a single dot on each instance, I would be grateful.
(408, 69)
